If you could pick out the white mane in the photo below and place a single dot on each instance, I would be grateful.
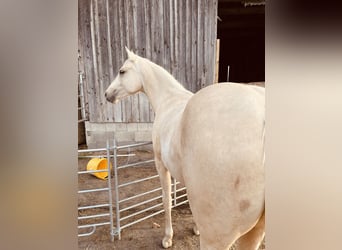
(159, 73)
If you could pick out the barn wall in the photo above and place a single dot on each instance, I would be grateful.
(178, 35)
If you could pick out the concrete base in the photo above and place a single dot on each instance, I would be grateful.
(98, 133)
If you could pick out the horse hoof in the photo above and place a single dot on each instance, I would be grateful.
(167, 242)
(195, 230)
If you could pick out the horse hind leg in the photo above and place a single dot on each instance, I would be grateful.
(253, 238)
(195, 230)
(207, 243)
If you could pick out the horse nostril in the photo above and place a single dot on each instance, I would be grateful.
(106, 94)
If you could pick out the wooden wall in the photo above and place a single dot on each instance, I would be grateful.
(178, 35)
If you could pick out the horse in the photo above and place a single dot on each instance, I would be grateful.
(212, 142)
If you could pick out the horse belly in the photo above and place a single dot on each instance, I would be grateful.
(222, 159)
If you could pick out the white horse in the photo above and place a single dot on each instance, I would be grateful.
(211, 141)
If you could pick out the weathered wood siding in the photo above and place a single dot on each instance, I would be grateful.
(178, 35)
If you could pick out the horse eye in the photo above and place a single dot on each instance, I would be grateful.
(121, 71)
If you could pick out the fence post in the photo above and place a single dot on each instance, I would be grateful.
(110, 191)
(174, 192)
(118, 229)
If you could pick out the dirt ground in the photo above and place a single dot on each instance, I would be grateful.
(146, 234)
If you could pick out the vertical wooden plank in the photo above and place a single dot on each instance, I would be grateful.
(194, 44)
(153, 30)
(147, 24)
(199, 56)
(128, 21)
(175, 71)
(171, 35)
(110, 109)
(144, 108)
(133, 29)
(115, 38)
(141, 33)
(205, 45)
(217, 60)
(214, 37)
(85, 48)
(211, 45)
(96, 112)
(104, 62)
(148, 111)
(140, 44)
(157, 32)
(166, 39)
(186, 75)
(182, 38)
(121, 54)
(90, 75)
(179, 36)
(188, 37)
(160, 36)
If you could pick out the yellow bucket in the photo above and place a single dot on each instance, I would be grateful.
(99, 164)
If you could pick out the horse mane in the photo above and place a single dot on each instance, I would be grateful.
(160, 72)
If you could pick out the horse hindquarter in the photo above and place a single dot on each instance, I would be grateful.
(222, 151)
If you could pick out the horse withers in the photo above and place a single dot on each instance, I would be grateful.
(212, 142)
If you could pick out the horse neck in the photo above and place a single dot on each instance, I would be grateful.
(160, 86)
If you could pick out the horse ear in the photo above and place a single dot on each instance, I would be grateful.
(130, 54)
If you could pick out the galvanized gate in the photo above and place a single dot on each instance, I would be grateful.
(123, 209)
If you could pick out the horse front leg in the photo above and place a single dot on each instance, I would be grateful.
(165, 180)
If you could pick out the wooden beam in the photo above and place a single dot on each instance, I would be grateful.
(217, 60)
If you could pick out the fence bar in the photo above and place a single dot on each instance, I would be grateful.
(91, 150)
(93, 225)
(181, 203)
(181, 196)
(87, 234)
(103, 156)
(141, 203)
(117, 147)
(141, 211)
(174, 191)
(83, 111)
(137, 181)
(135, 164)
(181, 189)
(134, 145)
(92, 171)
(93, 206)
(92, 190)
(141, 219)
(92, 216)
(139, 195)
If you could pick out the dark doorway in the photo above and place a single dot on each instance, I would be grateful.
(241, 30)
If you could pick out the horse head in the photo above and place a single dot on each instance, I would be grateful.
(127, 82)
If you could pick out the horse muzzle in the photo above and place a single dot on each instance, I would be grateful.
(110, 97)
